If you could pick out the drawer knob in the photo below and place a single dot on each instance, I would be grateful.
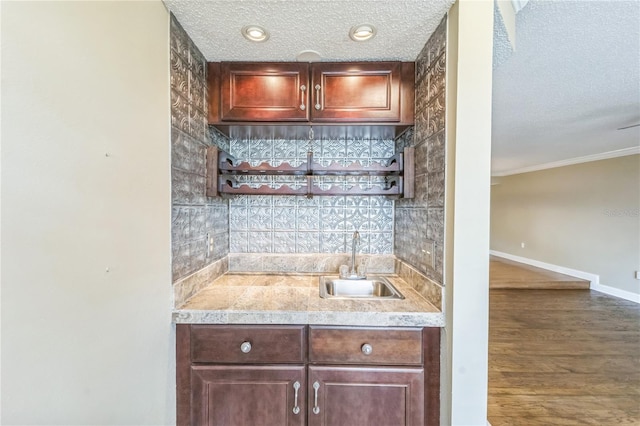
(245, 347)
(367, 349)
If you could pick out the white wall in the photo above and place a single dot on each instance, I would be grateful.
(466, 275)
(86, 187)
(583, 217)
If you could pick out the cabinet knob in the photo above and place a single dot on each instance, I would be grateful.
(367, 349)
(245, 347)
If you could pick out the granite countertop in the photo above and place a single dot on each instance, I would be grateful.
(295, 299)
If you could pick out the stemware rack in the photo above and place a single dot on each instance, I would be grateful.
(223, 170)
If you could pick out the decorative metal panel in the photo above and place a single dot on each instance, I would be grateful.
(421, 219)
(196, 219)
(319, 224)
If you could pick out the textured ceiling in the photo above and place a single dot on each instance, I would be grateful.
(573, 79)
(297, 25)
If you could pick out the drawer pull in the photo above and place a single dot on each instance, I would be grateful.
(367, 349)
(303, 89)
(245, 347)
(296, 387)
(316, 409)
(318, 106)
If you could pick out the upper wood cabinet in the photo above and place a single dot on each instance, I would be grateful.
(359, 92)
(356, 92)
(263, 92)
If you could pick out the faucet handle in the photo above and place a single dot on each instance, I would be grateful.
(344, 271)
(362, 270)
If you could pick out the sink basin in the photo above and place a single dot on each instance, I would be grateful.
(378, 288)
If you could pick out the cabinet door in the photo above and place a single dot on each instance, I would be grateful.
(264, 91)
(251, 395)
(353, 396)
(356, 92)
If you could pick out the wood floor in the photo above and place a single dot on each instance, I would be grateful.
(569, 357)
(508, 274)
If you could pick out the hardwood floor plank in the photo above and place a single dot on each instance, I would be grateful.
(568, 406)
(508, 334)
(564, 364)
(584, 347)
(567, 384)
(563, 421)
(508, 274)
(568, 357)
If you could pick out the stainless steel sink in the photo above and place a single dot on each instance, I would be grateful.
(378, 288)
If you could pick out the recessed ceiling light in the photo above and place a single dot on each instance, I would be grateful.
(255, 33)
(362, 32)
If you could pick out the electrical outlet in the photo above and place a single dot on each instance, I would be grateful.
(522, 244)
(430, 253)
(637, 275)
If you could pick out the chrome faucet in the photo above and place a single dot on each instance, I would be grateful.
(355, 242)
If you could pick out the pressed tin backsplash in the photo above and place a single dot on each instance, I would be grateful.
(419, 222)
(196, 220)
(296, 224)
(263, 224)
(205, 230)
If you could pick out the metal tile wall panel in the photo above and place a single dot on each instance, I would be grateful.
(320, 224)
(421, 219)
(194, 216)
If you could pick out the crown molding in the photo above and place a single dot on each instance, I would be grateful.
(571, 161)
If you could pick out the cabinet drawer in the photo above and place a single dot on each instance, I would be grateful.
(268, 344)
(335, 345)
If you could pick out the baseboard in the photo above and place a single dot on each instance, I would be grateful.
(592, 278)
(612, 291)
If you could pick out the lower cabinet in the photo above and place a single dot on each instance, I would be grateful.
(259, 375)
(365, 396)
(257, 395)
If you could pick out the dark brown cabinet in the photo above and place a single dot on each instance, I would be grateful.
(365, 376)
(307, 375)
(346, 345)
(241, 375)
(248, 395)
(352, 396)
(264, 92)
(359, 92)
(363, 91)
